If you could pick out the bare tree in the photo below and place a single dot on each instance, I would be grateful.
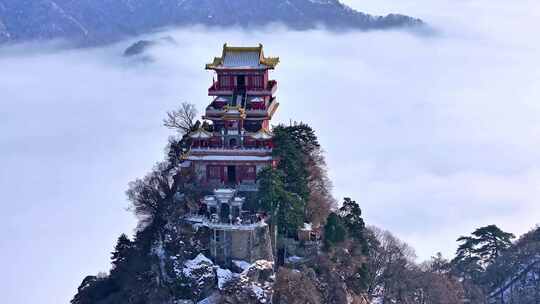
(152, 195)
(294, 286)
(396, 278)
(182, 119)
(320, 187)
(389, 264)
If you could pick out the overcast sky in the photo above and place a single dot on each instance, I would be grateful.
(432, 135)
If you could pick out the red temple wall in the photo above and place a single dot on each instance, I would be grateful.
(244, 172)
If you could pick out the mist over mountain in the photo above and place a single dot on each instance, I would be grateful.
(98, 21)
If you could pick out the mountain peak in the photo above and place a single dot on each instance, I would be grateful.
(99, 21)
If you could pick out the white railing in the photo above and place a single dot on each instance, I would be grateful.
(248, 187)
(201, 220)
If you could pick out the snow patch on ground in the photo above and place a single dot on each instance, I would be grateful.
(262, 265)
(294, 259)
(259, 292)
(241, 264)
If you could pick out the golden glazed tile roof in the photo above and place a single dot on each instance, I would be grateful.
(243, 57)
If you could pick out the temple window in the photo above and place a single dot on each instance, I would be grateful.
(257, 81)
(249, 173)
(214, 172)
(224, 81)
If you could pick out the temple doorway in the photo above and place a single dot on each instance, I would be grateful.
(231, 174)
(225, 212)
(241, 82)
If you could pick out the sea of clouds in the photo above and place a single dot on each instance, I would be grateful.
(434, 135)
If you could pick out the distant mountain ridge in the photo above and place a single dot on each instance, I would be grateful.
(98, 21)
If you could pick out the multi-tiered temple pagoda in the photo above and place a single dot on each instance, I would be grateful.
(240, 143)
(227, 154)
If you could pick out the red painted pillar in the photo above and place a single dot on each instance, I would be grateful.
(222, 173)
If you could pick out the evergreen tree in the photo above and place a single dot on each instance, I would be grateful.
(285, 208)
(476, 253)
(479, 250)
(122, 251)
(351, 214)
(271, 189)
(291, 153)
(305, 137)
(305, 172)
(347, 222)
(491, 242)
(335, 231)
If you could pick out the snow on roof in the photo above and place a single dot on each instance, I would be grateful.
(257, 99)
(224, 194)
(307, 227)
(200, 134)
(235, 59)
(210, 200)
(262, 134)
(222, 98)
(243, 57)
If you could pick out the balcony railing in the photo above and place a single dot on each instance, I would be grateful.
(217, 89)
(216, 223)
(232, 149)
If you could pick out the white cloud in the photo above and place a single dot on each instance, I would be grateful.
(433, 136)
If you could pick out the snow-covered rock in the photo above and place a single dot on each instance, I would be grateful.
(199, 275)
(260, 271)
(198, 263)
(253, 285)
(223, 276)
(241, 265)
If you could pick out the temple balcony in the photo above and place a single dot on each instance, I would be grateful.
(214, 223)
(270, 89)
(239, 149)
(267, 109)
(216, 89)
(212, 110)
